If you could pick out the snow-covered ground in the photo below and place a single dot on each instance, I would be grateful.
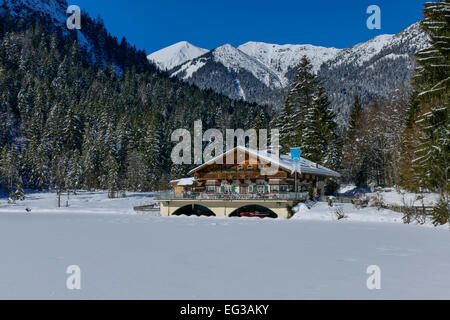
(135, 256)
(322, 212)
(82, 203)
(390, 196)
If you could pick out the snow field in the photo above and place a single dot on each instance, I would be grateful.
(135, 256)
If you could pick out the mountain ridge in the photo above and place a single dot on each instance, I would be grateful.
(370, 69)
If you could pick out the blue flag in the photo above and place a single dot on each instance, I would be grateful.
(296, 155)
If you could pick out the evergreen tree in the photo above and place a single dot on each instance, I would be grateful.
(326, 130)
(307, 121)
(355, 113)
(112, 180)
(299, 107)
(429, 110)
(74, 177)
(136, 172)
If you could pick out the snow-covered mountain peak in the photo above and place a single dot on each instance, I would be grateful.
(175, 55)
(411, 39)
(363, 52)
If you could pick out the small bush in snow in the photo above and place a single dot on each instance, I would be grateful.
(440, 213)
(377, 201)
(18, 195)
(339, 212)
(361, 202)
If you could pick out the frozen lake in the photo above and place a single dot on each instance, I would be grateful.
(142, 257)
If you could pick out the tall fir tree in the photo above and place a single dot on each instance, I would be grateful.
(429, 111)
(307, 120)
(298, 109)
(355, 113)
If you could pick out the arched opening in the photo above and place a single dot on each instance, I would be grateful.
(254, 211)
(194, 210)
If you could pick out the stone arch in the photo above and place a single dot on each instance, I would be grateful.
(255, 211)
(194, 210)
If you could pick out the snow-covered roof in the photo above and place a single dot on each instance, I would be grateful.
(284, 161)
(183, 182)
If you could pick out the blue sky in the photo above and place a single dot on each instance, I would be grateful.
(155, 24)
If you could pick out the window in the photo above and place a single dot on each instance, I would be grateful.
(275, 188)
(261, 189)
(211, 189)
(284, 188)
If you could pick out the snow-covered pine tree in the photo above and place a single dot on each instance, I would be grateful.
(74, 177)
(90, 160)
(432, 83)
(3, 163)
(10, 168)
(112, 176)
(355, 113)
(151, 150)
(307, 121)
(326, 130)
(299, 104)
(136, 172)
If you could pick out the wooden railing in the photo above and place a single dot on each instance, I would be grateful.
(238, 175)
(290, 196)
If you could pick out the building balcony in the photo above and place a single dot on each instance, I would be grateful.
(288, 196)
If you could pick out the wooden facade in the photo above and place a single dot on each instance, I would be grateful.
(249, 177)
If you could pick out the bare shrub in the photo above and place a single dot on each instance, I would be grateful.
(339, 212)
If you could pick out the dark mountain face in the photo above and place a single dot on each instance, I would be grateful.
(372, 70)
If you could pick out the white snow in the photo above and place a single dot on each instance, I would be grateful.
(236, 60)
(175, 55)
(135, 256)
(282, 58)
(394, 197)
(408, 198)
(346, 188)
(239, 90)
(186, 182)
(322, 212)
(190, 68)
(364, 52)
(82, 203)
